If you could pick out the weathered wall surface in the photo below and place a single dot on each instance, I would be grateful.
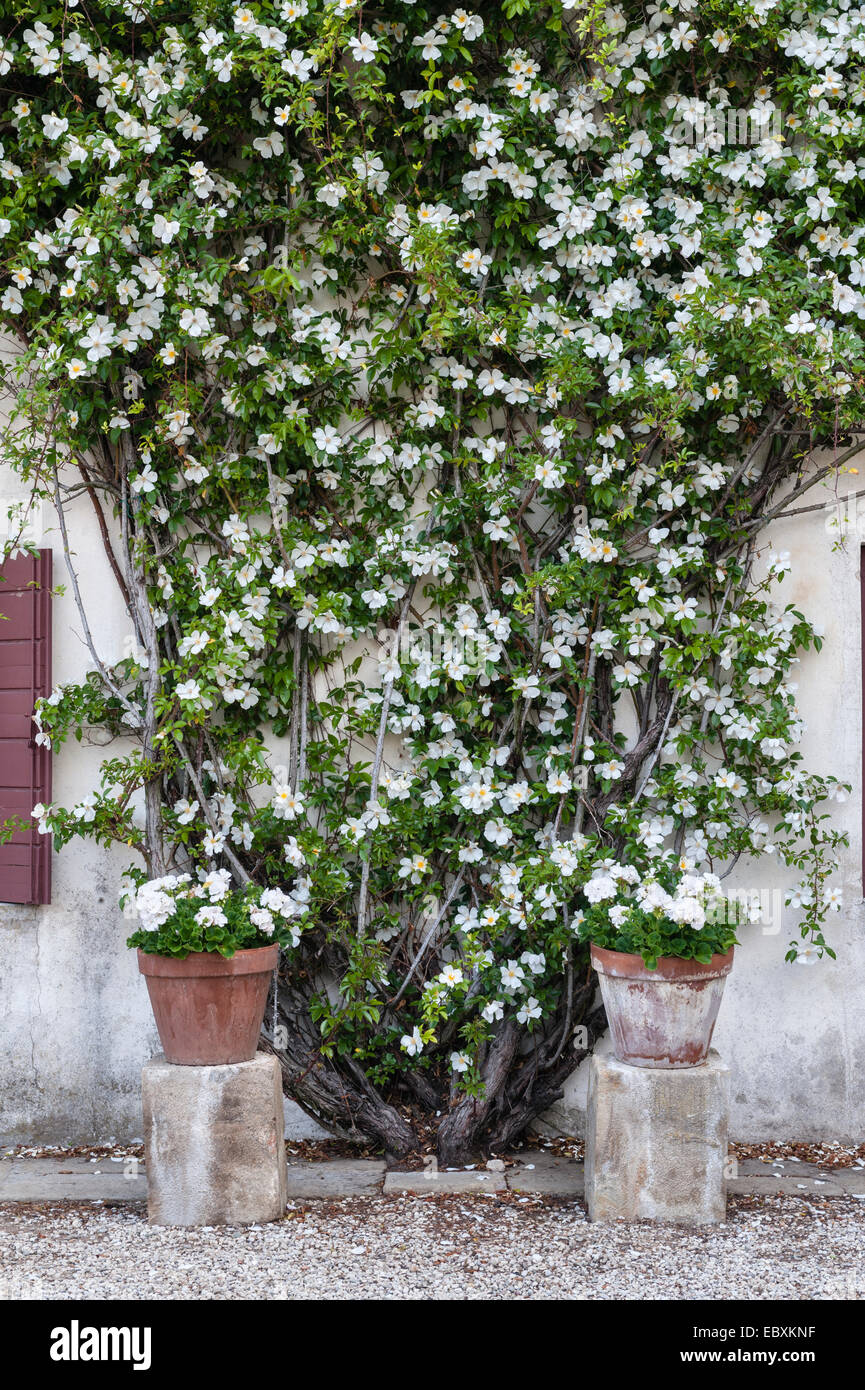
(795, 1035)
(75, 1023)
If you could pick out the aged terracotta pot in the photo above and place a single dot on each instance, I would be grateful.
(663, 1017)
(209, 1010)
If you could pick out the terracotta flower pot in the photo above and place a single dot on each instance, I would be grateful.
(208, 1009)
(663, 1017)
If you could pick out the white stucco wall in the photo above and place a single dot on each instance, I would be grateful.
(795, 1035)
(75, 1023)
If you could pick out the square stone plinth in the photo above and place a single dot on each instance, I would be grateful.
(213, 1145)
(656, 1142)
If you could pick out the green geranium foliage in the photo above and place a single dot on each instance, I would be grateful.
(681, 916)
(180, 914)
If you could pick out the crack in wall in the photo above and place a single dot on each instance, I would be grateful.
(35, 1017)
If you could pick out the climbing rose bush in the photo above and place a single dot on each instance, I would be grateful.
(434, 377)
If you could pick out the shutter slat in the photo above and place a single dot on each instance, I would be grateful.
(16, 665)
(16, 607)
(15, 713)
(17, 882)
(15, 726)
(25, 769)
(16, 763)
(16, 855)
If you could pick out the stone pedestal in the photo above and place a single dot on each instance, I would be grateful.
(656, 1142)
(213, 1144)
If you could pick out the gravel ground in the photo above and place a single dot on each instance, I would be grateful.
(408, 1247)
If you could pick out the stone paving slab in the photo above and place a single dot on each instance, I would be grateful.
(787, 1176)
(754, 1167)
(76, 1179)
(547, 1174)
(338, 1177)
(442, 1180)
(793, 1187)
(850, 1180)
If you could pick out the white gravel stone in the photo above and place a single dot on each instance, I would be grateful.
(437, 1247)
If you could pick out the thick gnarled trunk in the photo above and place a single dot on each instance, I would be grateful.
(518, 1085)
(343, 1100)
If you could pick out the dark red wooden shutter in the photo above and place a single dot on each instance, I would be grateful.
(25, 769)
